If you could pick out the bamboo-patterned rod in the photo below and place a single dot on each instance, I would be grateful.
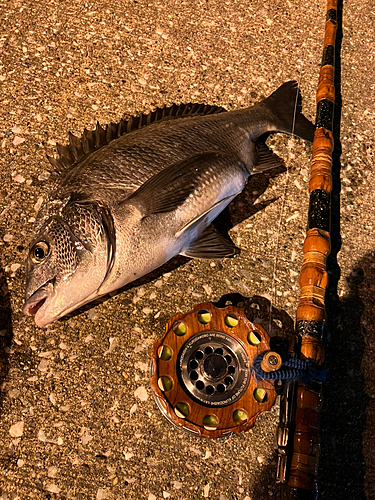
(310, 316)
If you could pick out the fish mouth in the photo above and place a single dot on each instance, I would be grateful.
(36, 304)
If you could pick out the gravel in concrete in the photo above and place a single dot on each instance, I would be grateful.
(77, 418)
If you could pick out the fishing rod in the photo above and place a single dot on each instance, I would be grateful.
(311, 312)
(214, 370)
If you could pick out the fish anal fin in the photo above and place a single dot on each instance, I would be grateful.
(210, 245)
(266, 159)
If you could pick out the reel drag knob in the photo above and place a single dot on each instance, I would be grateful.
(201, 371)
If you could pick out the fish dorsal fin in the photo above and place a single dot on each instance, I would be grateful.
(91, 140)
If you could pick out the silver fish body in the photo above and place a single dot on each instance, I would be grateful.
(125, 205)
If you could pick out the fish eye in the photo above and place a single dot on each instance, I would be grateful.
(39, 252)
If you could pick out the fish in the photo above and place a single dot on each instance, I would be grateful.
(129, 197)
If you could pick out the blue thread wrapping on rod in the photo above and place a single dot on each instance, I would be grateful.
(291, 369)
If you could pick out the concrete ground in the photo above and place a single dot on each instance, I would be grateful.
(77, 418)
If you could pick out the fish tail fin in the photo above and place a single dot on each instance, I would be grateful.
(285, 105)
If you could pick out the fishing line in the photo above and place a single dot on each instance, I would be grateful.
(273, 294)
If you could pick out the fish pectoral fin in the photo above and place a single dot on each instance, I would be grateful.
(201, 218)
(210, 245)
(168, 189)
(265, 158)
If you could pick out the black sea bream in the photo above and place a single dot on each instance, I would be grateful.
(131, 197)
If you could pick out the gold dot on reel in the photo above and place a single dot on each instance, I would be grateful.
(201, 371)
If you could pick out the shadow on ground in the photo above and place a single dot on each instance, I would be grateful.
(350, 381)
(6, 333)
(346, 436)
(343, 417)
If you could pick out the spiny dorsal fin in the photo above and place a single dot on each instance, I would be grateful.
(92, 140)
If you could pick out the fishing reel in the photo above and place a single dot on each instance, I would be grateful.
(202, 371)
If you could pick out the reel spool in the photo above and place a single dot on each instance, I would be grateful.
(201, 371)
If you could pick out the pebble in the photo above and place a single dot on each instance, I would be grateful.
(141, 393)
(292, 217)
(151, 497)
(38, 204)
(42, 436)
(133, 409)
(52, 488)
(92, 314)
(8, 237)
(101, 494)
(45, 354)
(52, 471)
(206, 490)
(86, 438)
(15, 267)
(43, 366)
(16, 430)
(143, 367)
(44, 175)
(142, 346)
(113, 343)
(18, 140)
(19, 178)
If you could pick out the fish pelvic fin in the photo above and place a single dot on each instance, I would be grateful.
(285, 104)
(210, 245)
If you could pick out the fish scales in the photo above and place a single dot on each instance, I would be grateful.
(131, 159)
(131, 197)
